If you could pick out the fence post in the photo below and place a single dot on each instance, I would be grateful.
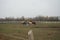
(30, 35)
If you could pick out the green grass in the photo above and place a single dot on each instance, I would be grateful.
(47, 33)
(42, 31)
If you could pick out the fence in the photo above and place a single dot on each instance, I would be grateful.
(30, 35)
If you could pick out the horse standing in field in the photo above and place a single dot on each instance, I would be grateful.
(32, 22)
(24, 22)
(28, 22)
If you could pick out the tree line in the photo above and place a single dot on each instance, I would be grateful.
(37, 18)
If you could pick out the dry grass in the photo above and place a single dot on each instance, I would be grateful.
(42, 31)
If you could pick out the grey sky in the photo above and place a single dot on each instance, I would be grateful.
(29, 8)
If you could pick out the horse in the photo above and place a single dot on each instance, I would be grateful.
(25, 23)
(28, 22)
(32, 22)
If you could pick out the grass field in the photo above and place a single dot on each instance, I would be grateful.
(41, 31)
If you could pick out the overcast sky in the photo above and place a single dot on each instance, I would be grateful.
(29, 8)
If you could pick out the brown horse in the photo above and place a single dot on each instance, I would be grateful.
(32, 22)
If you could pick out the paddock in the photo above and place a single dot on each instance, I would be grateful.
(41, 31)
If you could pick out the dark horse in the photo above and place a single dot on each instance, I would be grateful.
(34, 23)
